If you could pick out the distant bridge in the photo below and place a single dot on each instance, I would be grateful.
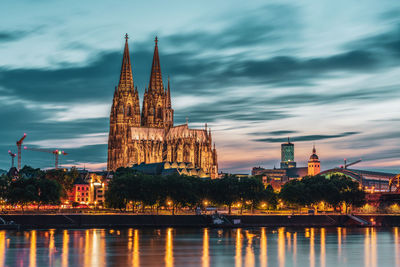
(379, 181)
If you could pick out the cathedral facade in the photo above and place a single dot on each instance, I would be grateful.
(149, 135)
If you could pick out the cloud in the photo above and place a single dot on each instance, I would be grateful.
(305, 138)
(80, 141)
(228, 109)
(10, 36)
(281, 132)
(271, 23)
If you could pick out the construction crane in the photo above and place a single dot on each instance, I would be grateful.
(56, 153)
(349, 164)
(12, 155)
(19, 145)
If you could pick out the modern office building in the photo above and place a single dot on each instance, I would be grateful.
(287, 155)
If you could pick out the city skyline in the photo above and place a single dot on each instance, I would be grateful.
(255, 74)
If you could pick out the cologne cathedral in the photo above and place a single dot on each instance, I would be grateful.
(150, 136)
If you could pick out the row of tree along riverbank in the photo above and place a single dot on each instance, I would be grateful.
(133, 191)
(130, 190)
(110, 221)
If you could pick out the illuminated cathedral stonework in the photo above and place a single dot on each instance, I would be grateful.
(150, 136)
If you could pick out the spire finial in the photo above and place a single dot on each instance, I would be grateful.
(314, 150)
(156, 40)
(126, 79)
(187, 121)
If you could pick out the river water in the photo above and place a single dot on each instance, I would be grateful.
(372, 247)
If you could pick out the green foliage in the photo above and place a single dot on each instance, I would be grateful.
(22, 192)
(4, 184)
(29, 172)
(226, 191)
(64, 178)
(311, 190)
(33, 190)
(183, 191)
(49, 192)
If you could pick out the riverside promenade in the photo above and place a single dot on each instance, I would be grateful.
(45, 221)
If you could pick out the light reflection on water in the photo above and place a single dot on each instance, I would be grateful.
(370, 247)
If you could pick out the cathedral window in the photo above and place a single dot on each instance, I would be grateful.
(159, 112)
(129, 110)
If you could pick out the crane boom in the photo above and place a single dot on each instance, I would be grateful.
(350, 164)
(56, 153)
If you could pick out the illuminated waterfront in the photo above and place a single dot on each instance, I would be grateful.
(202, 247)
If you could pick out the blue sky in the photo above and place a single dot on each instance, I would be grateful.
(323, 72)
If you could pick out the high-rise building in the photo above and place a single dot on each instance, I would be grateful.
(314, 165)
(150, 136)
(287, 155)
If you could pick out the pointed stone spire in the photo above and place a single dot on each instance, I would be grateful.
(126, 80)
(314, 150)
(156, 84)
(168, 96)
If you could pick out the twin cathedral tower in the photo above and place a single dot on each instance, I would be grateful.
(150, 136)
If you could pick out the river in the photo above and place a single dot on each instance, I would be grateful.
(169, 247)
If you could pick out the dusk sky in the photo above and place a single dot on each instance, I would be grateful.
(323, 72)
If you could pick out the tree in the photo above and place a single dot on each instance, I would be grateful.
(226, 191)
(22, 192)
(65, 179)
(269, 197)
(251, 190)
(29, 172)
(336, 190)
(295, 192)
(179, 189)
(118, 195)
(49, 192)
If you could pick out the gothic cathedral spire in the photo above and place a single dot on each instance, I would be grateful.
(125, 113)
(156, 83)
(156, 110)
(125, 79)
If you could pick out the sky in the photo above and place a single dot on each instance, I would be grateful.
(320, 72)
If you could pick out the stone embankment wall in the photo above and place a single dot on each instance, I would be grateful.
(121, 220)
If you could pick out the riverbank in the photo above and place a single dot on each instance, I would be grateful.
(126, 220)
